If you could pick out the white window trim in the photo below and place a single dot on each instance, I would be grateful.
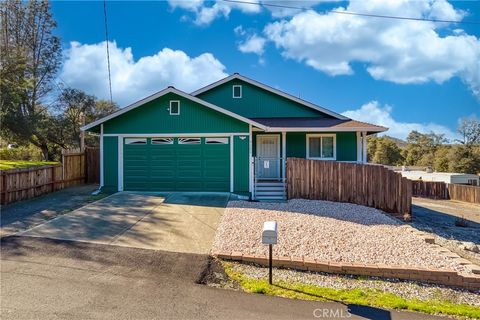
(221, 140)
(183, 140)
(233, 91)
(170, 108)
(171, 141)
(321, 136)
(128, 141)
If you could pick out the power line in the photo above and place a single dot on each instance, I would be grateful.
(108, 51)
(263, 4)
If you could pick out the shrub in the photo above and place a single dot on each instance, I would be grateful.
(28, 153)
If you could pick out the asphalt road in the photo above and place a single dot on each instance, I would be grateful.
(54, 279)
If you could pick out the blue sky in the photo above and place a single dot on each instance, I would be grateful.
(402, 74)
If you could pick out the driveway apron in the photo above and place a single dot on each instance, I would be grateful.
(180, 222)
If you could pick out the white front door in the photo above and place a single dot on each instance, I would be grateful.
(268, 156)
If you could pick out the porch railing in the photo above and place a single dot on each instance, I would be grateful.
(269, 168)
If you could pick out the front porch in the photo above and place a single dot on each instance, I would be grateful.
(270, 150)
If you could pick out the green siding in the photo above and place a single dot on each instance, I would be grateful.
(241, 168)
(296, 144)
(110, 164)
(257, 102)
(346, 144)
(154, 117)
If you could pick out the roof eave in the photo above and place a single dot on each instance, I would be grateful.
(326, 129)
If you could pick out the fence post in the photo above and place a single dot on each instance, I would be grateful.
(63, 167)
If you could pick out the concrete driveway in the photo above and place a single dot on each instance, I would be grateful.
(179, 222)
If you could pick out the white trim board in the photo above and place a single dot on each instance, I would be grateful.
(120, 163)
(270, 89)
(321, 135)
(233, 91)
(232, 169)
(102, 182)
(314, 129)
(175, 135)
(177, 92)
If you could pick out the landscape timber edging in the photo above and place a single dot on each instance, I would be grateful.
(435, 276)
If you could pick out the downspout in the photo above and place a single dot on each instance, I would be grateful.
(101, 163)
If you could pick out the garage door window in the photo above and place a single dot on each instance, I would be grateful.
(162, 140)
(189, 141)
(216, 140)
(136, 141)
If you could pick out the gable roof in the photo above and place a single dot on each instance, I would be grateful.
(270, 89)
(162, 93)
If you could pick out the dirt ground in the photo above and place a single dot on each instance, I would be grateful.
(438, 218)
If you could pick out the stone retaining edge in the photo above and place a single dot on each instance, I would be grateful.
(435, 276)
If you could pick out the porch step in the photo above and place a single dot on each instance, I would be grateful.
(270, 184)
(266, 191)
(262, 188)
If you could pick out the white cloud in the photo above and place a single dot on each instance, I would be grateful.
(394, 50)
(373, 112)
(253, 44)
(85, 67)
(206, 13)
(280, 8)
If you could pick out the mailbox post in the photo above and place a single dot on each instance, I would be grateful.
(269, 236)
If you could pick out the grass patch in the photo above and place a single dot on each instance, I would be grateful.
(367, 297)
(16, 164)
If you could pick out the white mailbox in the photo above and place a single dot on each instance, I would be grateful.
(269, 234)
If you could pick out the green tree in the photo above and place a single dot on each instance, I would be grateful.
(464, 160)
(465, 157)
(74, 108)
(384, 150)
(442, 158)
(29, 59)
(421, 148)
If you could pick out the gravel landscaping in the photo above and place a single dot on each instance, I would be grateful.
(327, 231)
(404, 289)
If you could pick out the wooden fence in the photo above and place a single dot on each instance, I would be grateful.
(369, 185)
(92, 162)
(22, 184)
(430, 189)
(465, 193)
(440, 190)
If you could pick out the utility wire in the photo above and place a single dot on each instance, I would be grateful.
(108, 51)
(263, 4)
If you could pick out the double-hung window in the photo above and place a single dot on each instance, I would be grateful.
(321, 146)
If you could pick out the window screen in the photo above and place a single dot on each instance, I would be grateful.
(237, 91)
(321, 147)
(174, 107)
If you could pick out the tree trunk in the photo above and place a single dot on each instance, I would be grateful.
(45, 152)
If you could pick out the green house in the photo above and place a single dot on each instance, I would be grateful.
(231, 136)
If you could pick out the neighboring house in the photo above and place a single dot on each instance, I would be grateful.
(447, 177)
(231, 136)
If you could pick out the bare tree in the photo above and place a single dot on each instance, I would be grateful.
(469, 129)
